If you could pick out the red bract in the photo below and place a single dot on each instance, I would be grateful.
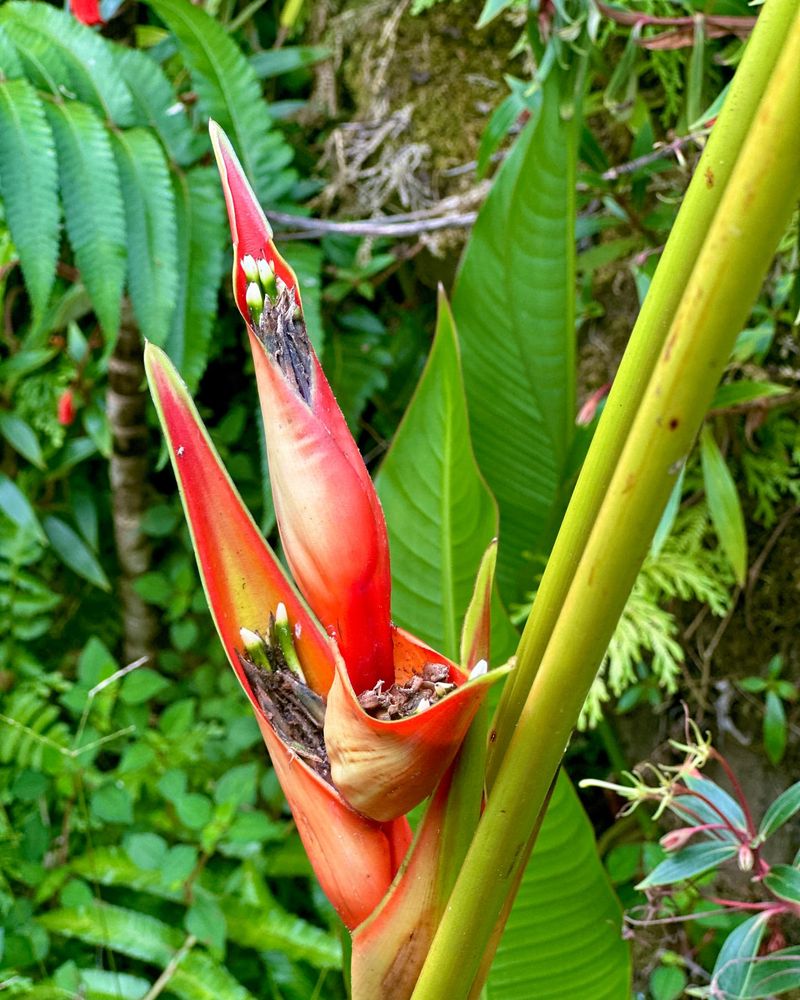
(87, 11)
(348, 776)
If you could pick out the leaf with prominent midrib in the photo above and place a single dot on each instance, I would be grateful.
(439, 513)
(514, 308)
(563, 939)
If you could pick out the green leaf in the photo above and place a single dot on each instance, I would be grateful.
(101, 984)
(16, 506)
(237, 787)
(491, 9)
(667, 521)
(265, 928)
(691, 861)
(723, 504)
(152, 237)
(777, 972)
(514, 309)
(74, 552)
(206, 921)
(156, 106)
(735, 963)
(745, 391)
(10, 65)
(439, 513)
(29, 186)
(200, 213)
(21, 437)
(146, 850)
(667, 983)
(783, 881)
(141, 686)
(112, 803)
(566, 924)
(228, 91)
(92, 206)
(780, 811)
(91, 73)
(775, 729)
(196, 977)
(274, 62)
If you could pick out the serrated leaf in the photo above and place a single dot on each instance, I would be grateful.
(29, 186)
(735, 962)
(564, 934)
(783, 881)
(440, 515)
(151, 228)
(74, 552)
(514, 308)
(200, 214)
(196, 977)
(723, 504)
(93, 207)
(780, 811)
(101, 984)
(156, 106)
(691, 861)
(228, 91)
(20, 435)
(264, 928)
(91, 72)
(10, 65)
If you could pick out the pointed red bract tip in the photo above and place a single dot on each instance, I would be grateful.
(250, 231)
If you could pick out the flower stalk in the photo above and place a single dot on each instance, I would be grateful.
(594, 582)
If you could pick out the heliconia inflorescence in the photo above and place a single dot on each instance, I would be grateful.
(361, 719)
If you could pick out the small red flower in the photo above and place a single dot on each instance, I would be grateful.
(87, 11)
(66, 408)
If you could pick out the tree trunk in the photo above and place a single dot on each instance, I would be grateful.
(126, 402)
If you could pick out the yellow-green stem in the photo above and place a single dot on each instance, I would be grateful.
(699, 206)
(753, 213)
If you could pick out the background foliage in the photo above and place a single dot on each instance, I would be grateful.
(139, 818)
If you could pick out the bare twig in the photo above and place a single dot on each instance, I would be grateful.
(672, 148)
(163, 980)
(314, 228)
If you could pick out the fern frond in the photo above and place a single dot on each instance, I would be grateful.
(31, 734)
(41, 64)
(155, 106)
(10, 65)
(90, 65)
(152, 239)
(29, 186)
(200, 212)
(229, 91)
(137, 935)
(93, 210)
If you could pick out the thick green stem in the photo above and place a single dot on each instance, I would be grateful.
(754, 210)
(699, 207)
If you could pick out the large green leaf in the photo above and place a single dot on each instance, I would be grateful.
(152, 238)
(439, 513)
(229, 91)
(29, 186)
(514, 308)
(723, 504)
(92, 206)
(200, 213)
(196, 977)
(564, 936)
(71, 48)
